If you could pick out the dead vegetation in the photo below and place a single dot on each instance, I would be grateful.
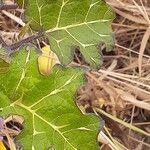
(122, 86)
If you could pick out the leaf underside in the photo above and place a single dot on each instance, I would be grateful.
(70, 24)
(51, 117)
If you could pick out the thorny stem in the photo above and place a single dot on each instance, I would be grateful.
(22, 42)
(7, 7)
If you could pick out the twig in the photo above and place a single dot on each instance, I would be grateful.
(22, 42)
(130, 126)
(13, 17)
(7, 7)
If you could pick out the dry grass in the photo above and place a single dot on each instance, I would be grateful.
(121, 88)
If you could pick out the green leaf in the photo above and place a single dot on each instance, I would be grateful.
(20, 3)
(73, 23)
(51, 117)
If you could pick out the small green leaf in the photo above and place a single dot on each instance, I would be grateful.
(20, 3)
(4, 66)
(73, 23)
(51, 117)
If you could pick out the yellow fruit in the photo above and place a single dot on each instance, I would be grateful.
(47, 60)
(2, 147)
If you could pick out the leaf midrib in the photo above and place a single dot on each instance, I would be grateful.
(76, 25)
(41, 118)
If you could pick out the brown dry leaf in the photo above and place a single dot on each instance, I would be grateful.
(142, 48)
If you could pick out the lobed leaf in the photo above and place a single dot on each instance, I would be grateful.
(70, 24)
(51, 117)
